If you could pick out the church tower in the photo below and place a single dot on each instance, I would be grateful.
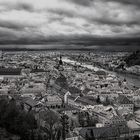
(60, 65)
(60, 61)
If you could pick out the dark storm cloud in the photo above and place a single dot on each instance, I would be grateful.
(18, 6)
(35, 18)
(24, 6)
(128, 2)
(82, 2)
(10, 25)
(90, 2)
(104, 21)
(14, 25)
(63, 12)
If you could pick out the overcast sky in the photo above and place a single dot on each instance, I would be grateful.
(44, 18)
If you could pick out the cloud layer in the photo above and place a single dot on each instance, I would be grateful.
(40, 19)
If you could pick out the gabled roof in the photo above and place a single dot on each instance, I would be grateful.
(123, 100)
(83, 100)
(104, 132)
(10, 71)
(74, 90)
(117, 117)
(37, 70)
(60, 89)
(100, 72)
(29, 101)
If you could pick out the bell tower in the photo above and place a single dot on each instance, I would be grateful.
(60, 61)
(60, 65)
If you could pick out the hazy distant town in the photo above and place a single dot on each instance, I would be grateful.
(69, 95)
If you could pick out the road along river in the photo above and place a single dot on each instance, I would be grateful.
(131, 79)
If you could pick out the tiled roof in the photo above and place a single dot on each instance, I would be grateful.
(37, 70)
(104, 132)
(10, 71)
(29, 101)
(85, 101)
(60, 89)
(68, 108)
(101, 72)
(82, 100)
(123, 100)
(117, 117)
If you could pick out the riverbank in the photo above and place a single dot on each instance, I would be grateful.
(133, 80)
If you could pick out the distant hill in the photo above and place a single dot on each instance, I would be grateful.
(133, 59)
(72, 42)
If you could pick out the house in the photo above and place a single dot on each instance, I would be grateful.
(109, 119)
(101, 74)
(68, 110)
(28, 104)
(106, 115)
(10, 71)
(124, 105)
(105, 133)
(75, 138)
(136, 100)
(108, 94)
(34, 88)
(79, 102)
(38, 71)
(53, 101)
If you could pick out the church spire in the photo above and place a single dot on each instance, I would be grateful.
(60, 61)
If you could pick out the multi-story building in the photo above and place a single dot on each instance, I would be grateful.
(53, 101)
(124, 105)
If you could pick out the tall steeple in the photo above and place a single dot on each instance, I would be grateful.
(60, 61)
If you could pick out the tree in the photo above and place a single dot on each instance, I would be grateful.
(72, 124)
(16, 121)
(65, 125)
(136, 137)
(3, 106)
(91, 120)
(87, 136)
(52, 125)
(9, 116)
(58, 135)
(30, 119)
(92, 135)
(81, 119)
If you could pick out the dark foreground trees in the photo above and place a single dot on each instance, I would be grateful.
(23, 124)
(16, 121)
(90, 135)
(52, 125)
(56, 127)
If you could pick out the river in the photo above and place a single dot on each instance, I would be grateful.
(131, 79)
